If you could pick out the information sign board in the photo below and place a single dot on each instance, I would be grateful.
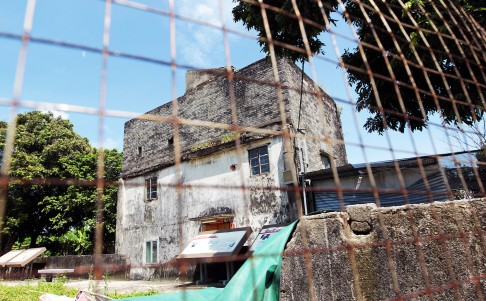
(9, 256)
(218, 243)
(265, 233)
(25, 257)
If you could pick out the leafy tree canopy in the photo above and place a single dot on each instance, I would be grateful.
(416, 72)
(283, 27)
(58, 209)
(442, 73)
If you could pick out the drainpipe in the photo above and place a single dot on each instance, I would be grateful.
(304, 197)
(301, 155)
(302, 176)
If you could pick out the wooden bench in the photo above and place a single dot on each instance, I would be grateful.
(49, 273)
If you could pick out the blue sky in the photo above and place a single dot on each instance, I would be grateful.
(60, 75)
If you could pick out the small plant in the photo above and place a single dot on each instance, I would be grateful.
(61, 279)
(203, 145)
(91, 284)
(228, 137)
(224, 139)
(106, 276)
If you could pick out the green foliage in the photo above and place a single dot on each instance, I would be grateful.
(209, 143)
(203, 145)
(455, 68)
(76, 241)
(32, 291)
(446, 83)
(117, 295)
(284, 28)
(228, 137)
(62, 208)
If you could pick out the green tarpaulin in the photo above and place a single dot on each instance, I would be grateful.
(257, 280)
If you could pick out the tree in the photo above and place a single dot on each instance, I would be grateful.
(466, 138)
(416, 72)
(283, 27)
(52, 192)
(442, 74)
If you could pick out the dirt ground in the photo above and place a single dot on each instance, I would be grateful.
(129, 286)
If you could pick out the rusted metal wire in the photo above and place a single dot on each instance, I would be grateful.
(468, 39)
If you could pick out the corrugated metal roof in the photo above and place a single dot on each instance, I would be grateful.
(416, 193)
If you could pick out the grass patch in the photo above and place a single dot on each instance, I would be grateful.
(116, 295)
(31, 291)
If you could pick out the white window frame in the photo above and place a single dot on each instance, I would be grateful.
(151, 189)
(256, 161)
(151, 258)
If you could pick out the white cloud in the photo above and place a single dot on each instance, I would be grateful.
(108, 143)
(57, 113)
(202, 46)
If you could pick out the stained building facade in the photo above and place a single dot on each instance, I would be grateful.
(224, 180)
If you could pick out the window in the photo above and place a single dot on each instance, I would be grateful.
(259, 162)
(140, 151)
(151, 250)
(151, 188)
(326, 161)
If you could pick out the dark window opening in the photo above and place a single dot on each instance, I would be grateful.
(326, 162)
(151, 188)
(139, 151)
(218, 224)
(170, 141)
(259, 162)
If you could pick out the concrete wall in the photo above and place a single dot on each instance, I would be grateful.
(115, 265)
(213, 185)
(422, 252)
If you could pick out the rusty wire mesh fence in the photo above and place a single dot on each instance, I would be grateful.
(273, 142)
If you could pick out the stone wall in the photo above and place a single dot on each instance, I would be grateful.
(209, 101)
(320, 119)
(149, 144)
(114, 265)
(422, 252)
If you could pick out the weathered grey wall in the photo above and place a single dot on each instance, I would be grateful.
(207, 154)
(209, 101)
(257, 106)
(424, 252)
(320, 120)
(211, 184)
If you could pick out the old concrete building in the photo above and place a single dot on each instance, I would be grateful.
(220, 182)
